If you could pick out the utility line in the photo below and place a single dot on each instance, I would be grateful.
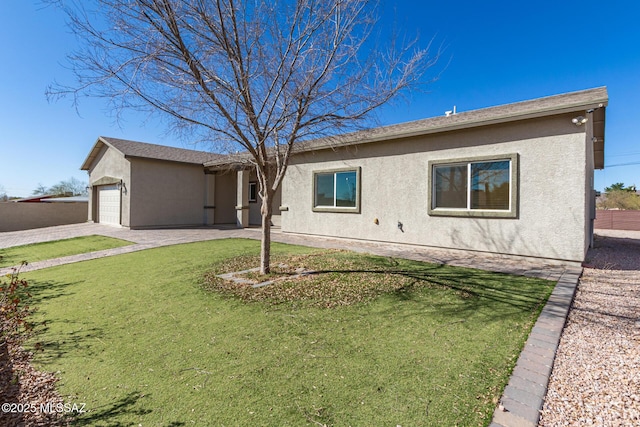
(635, 153)
(622, 164)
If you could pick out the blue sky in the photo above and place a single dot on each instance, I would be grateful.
(497, 52)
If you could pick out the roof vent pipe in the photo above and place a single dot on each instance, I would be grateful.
(450, 112)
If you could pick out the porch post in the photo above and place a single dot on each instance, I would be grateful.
(209, 198)
(242, 199)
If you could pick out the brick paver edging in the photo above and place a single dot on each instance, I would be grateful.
(523, 397)
(39, 265)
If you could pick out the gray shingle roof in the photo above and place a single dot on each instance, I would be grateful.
(557, 104)
(568, 102)
(149, 151)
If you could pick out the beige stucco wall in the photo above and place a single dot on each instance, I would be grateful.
(166, 193)
(394, 176)
(210, 198)
(110, 163)
(225, 197)
(255, 217)
(25, 216)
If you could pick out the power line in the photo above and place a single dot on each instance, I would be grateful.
(622, 164)
(634, 153)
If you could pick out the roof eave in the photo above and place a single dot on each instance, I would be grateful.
(185, 162)
(361, 137)
(93, 154)
(598, 123)
(471, 123)
(230, 161)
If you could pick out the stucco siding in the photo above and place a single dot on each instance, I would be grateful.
(166, 193)
(276, 218)
(394, 188)
(225, 198)
(255, 216)
(109, 164)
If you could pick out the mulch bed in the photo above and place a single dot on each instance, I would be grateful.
(28, 396)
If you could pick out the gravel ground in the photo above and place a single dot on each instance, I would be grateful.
(596, 375)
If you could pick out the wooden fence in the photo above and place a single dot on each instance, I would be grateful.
(617, 220)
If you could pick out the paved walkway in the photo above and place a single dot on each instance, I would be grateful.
(146, 239)
(524, 395)
(141, 239)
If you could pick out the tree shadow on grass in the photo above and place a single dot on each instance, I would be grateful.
(48, 348)
(497, 295)
(504, 294)
(55, 348)
(44, 290)
(108, 415)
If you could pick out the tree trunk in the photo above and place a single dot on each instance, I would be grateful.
(265, 245)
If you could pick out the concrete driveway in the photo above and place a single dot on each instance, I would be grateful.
(141, 239)
(153, 237)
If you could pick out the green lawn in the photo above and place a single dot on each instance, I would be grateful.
(57, 249)
(142, 342)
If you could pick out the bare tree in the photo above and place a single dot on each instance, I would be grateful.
(3, 194)
(259, 75)
(40, 190)
(72, 186)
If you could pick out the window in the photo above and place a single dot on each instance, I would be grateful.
(337, 190)
(474, 187)
(253, 192)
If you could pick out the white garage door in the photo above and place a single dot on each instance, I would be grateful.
(109, 204)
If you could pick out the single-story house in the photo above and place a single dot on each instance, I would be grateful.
(139, 185)
(513, 179)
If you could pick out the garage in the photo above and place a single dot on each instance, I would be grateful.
(109, 204)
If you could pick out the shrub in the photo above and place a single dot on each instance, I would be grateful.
(14, 308)
(620, 199)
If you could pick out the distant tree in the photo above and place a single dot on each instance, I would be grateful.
(40, 190)
(72, 186)
(259, 75)
(618, 196)
(3, 194)
(619, 186)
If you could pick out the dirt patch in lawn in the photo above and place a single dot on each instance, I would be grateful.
(326, 279)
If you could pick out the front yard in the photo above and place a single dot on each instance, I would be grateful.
(57, 249)
(142, 340)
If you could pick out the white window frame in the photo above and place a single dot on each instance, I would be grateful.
(511, 212)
